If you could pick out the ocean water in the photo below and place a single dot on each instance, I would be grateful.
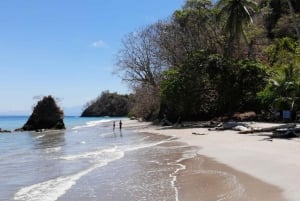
(88, 161)
(13, 122)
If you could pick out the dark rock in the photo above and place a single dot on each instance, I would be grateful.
(4, 131)
(46, 115)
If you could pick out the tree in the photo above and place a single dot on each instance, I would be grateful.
(182, 59)
(294, 18)
(272, 12)
(188, 30)
(186, 91)
(236, 83)
(283, 52)
(237, 14)
(145, 102)
(281, 18)
(193, 28)
(139, 61)
(283, 90)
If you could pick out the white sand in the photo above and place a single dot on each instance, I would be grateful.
(274, 161)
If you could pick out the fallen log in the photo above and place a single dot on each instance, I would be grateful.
(286, 133)
(268, 129)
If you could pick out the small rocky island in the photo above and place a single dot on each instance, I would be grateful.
(46, 115)
(107, 104)
(4, 131)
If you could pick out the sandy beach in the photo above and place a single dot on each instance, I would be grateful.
(268, 167)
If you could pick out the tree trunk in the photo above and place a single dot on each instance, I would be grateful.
(249, 45)
(294, 18)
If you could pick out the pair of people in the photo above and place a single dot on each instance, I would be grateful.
(120, 125)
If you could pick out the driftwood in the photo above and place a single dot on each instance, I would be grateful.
(178, 125)
(286, 133)
(231, 125)
(268, 129)
(208, 124)
(194, 133)
(165, 122)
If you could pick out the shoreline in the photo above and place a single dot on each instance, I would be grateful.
(273, 161)
(208, 179)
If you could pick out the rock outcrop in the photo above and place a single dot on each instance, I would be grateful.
(4, 131)
(46, 115)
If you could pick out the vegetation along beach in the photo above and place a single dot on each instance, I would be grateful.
(181, 100)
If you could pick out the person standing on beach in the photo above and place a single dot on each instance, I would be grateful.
(114, 125)
(120, 124)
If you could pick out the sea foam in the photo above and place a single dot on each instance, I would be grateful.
(91, 124)
(145, 145)
(39, 136)
(103, 154)
(52, 189)
(53, 149)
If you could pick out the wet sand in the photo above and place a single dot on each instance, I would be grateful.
(143, 174)
(205, 180)
(267, 169)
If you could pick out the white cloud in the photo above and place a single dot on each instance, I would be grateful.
(99, 44)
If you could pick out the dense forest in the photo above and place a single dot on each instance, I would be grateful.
(210, 59)
(213, 59)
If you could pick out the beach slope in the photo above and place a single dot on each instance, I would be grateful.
(274, 161)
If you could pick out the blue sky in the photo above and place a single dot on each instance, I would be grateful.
(66, 48)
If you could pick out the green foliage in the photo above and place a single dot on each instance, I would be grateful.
(266, 98)
(283, 52)
(194, 28)
(209, 85)
(192, 67)
(193, 13)
(186, 90)
(283, 91)
(236, 14)
(196, 4)
(278, 19)
(251, 78)
(237, 83)
(273, 11)
(107, 104)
